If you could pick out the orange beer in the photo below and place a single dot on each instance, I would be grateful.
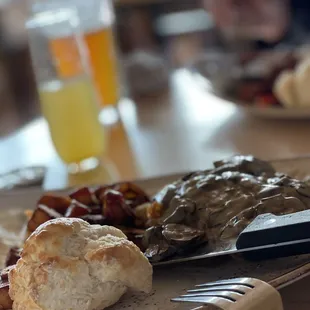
(102, 57)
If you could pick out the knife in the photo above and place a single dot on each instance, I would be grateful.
(267, 237)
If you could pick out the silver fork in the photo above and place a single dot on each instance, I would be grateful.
(234, 294)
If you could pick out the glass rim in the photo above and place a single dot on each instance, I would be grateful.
(53, 17)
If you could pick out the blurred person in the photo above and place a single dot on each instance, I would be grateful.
(12, 22)
(264, 23)
(16, 58)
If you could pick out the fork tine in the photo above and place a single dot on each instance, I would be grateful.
(242, 289)
(233, 296)
(223, 302)
(237, 281)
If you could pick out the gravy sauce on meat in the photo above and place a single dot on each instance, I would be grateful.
(222, 202)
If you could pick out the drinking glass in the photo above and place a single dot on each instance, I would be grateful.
(96, 21)
(67, 96)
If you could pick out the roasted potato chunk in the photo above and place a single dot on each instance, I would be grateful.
(106, 205)
(155, 210)
(100, 191)
(4, 273)
(95, 210)
(57, 203)
(41, 215)
(5, 300)
(77, 209)
(85, 195)
(133, 194)
(115, 208)
(12, 257)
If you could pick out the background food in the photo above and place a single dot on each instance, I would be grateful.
(257, 76)
(292, 87)
(284, 89)
(273, 78)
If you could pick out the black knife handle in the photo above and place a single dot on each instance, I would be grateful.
(268, 229)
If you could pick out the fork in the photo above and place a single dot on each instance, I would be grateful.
(234, 294)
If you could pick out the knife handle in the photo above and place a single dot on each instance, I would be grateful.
(268, 229)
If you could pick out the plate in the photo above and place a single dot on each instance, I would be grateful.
(173, 280)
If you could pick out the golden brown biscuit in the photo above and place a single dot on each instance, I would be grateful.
(69, 264)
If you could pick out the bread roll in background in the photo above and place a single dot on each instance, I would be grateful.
(284, 89)
(69, 264)
(302, 82)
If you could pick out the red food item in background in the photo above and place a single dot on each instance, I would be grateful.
(76, 209)
(246, 91)
(266, 101)
(115, 209)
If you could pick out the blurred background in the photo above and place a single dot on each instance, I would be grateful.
(154, 26)
(197, 82)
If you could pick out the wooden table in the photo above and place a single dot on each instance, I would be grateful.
(184, 130)
(188, 129)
